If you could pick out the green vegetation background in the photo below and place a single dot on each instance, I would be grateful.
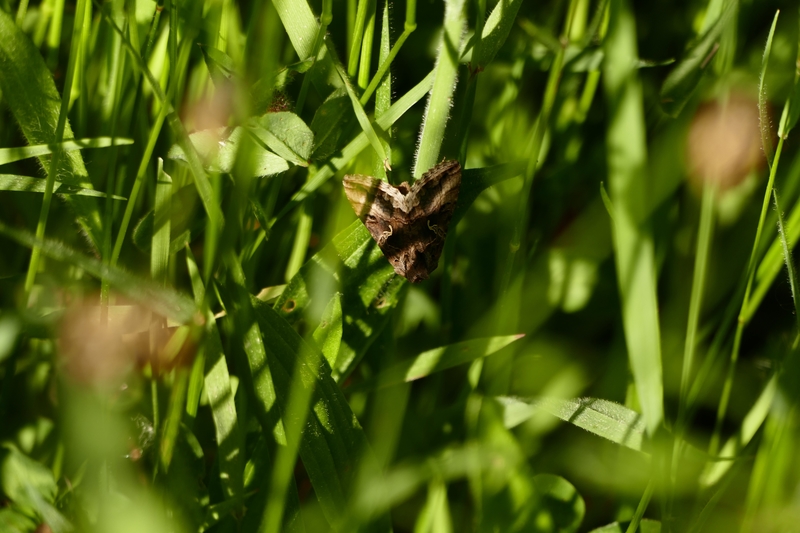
(197, 334)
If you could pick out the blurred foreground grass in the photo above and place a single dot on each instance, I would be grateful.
(197, 334)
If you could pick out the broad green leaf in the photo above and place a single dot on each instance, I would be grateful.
(162, 300)
(31, 95)
(606, 419)
(218, 151)
(9, 155)
(13, 182)
(287, 135)
(327, 123)
(328, 334)
(31, 485)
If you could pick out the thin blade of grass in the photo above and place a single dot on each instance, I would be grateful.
(438, 359)
(9, 155)
(13, 182)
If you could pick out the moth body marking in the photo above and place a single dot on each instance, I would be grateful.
(411, 213)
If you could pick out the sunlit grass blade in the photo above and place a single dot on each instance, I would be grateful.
(13, 182)
(438, 359)
(606, 419)
(9, 155)
(750, 425)
(634, 247)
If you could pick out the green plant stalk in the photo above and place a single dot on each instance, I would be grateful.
(641, 508)
(22, 9)
(744, 318)
(790, 268)
(54, 35)
(437, 110)
(137, 184)
(358, 33)
(111, 182)
(365, 61)
(704, 236)
(410, 26)
(192, 158)
(77, 31)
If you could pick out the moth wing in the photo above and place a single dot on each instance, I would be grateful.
(437, 192)
(375, 203)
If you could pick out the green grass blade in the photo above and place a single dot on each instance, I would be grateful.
(9, 155)
(634, 248)
(333, 440)
(750, 425)
(684, 78)
(438, 359)
(300, 25)
(605, 419)
(13, 182)
(159, 251)
(30, 93)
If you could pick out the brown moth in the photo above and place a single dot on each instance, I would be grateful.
(409, 222)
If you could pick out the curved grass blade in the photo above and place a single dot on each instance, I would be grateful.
(162, 300)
